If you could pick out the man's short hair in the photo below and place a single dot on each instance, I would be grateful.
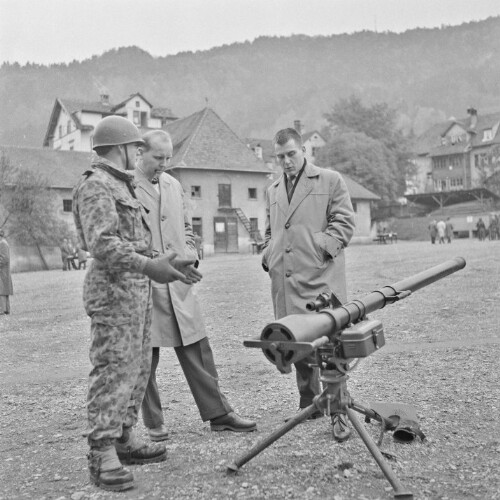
(148, 136)
(286, 134)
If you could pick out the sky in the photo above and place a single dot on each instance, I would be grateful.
(55, 31)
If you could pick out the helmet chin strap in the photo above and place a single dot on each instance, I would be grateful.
(126, 158)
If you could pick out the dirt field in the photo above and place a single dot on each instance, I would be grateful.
(441, 355)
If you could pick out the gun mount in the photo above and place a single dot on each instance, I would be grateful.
(337, 334)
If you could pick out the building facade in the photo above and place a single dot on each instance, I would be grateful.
(72, 122)
(457, 155)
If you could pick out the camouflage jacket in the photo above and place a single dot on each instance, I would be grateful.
(109, 220)
(111, 226)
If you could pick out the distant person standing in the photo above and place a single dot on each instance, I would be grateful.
(481, 229)
(66, 252)
(441, 230)
(82, 258)
(449, 230)
(6, 288)
(433, 231)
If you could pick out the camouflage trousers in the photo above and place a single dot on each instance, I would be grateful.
(121, 359)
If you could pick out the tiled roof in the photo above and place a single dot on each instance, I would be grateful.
(357, 191)
(203, 140)
(308, 135)
(62, 169)
(131, 96)
(266, 145)
(450, 149)
(430, 140)
(75, 105)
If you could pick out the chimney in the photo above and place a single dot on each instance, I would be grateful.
(297, 126)
(258, 151)
(105, 99)
(473, 117)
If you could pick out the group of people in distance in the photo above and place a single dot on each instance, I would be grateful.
(441, 231)
(72, 256)
(138, 290)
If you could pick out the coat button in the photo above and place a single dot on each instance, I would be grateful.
(288, 274)
(287, 225)
(163, 218)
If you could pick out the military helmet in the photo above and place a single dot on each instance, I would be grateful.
(115, 130)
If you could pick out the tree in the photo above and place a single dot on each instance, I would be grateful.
(489, 169)
(377, 122)
(27, 207)
(362, 158)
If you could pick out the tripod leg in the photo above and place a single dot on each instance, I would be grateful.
(262, 445)
(399, 491)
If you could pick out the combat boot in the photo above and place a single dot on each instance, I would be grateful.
(132, 450)
(107, 472)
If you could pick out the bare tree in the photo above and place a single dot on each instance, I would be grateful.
(27, 208)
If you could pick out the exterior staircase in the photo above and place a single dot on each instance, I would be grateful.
(254, 234)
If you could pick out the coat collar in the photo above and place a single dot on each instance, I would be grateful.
(303, 188)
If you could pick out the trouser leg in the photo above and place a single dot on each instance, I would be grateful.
(307, 381)
(121, 359)
(4, 304)
(152, 412)
(197, 363)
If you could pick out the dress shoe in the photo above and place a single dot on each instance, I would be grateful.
(317, 414)
(107, 472)
(158, 433)
(232, 422)
(341, 431)
(132, 450)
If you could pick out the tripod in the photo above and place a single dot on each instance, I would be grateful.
(335, 398)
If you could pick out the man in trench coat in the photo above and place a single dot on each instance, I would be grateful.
(177, 319)
(310, 220)
(6, 288)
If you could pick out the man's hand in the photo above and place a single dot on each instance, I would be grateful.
(167, 268)
(188, 268)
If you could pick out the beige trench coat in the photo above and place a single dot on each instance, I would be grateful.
(177, 318)
(305, 240)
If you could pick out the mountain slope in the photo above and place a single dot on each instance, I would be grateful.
(260, 86)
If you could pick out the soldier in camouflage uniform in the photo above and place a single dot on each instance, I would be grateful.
(117, 297)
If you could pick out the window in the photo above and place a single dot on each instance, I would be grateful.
(68, 127)
(355, 206)
(71, 145)
(225, 195)
(195, 191)
(67, 205)
(60, 131)
(197, 226)
(137, 117)
(252, 193)
(487, 134)
(314, 151)
(137, 104)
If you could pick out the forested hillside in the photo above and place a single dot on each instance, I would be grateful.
(259, 86)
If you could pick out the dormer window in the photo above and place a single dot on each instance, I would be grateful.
(487, 134)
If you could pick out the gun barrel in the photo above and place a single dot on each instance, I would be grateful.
(328, 321)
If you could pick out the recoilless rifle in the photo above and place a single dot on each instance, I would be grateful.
(338, 334)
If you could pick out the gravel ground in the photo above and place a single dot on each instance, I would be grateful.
(441, 355)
